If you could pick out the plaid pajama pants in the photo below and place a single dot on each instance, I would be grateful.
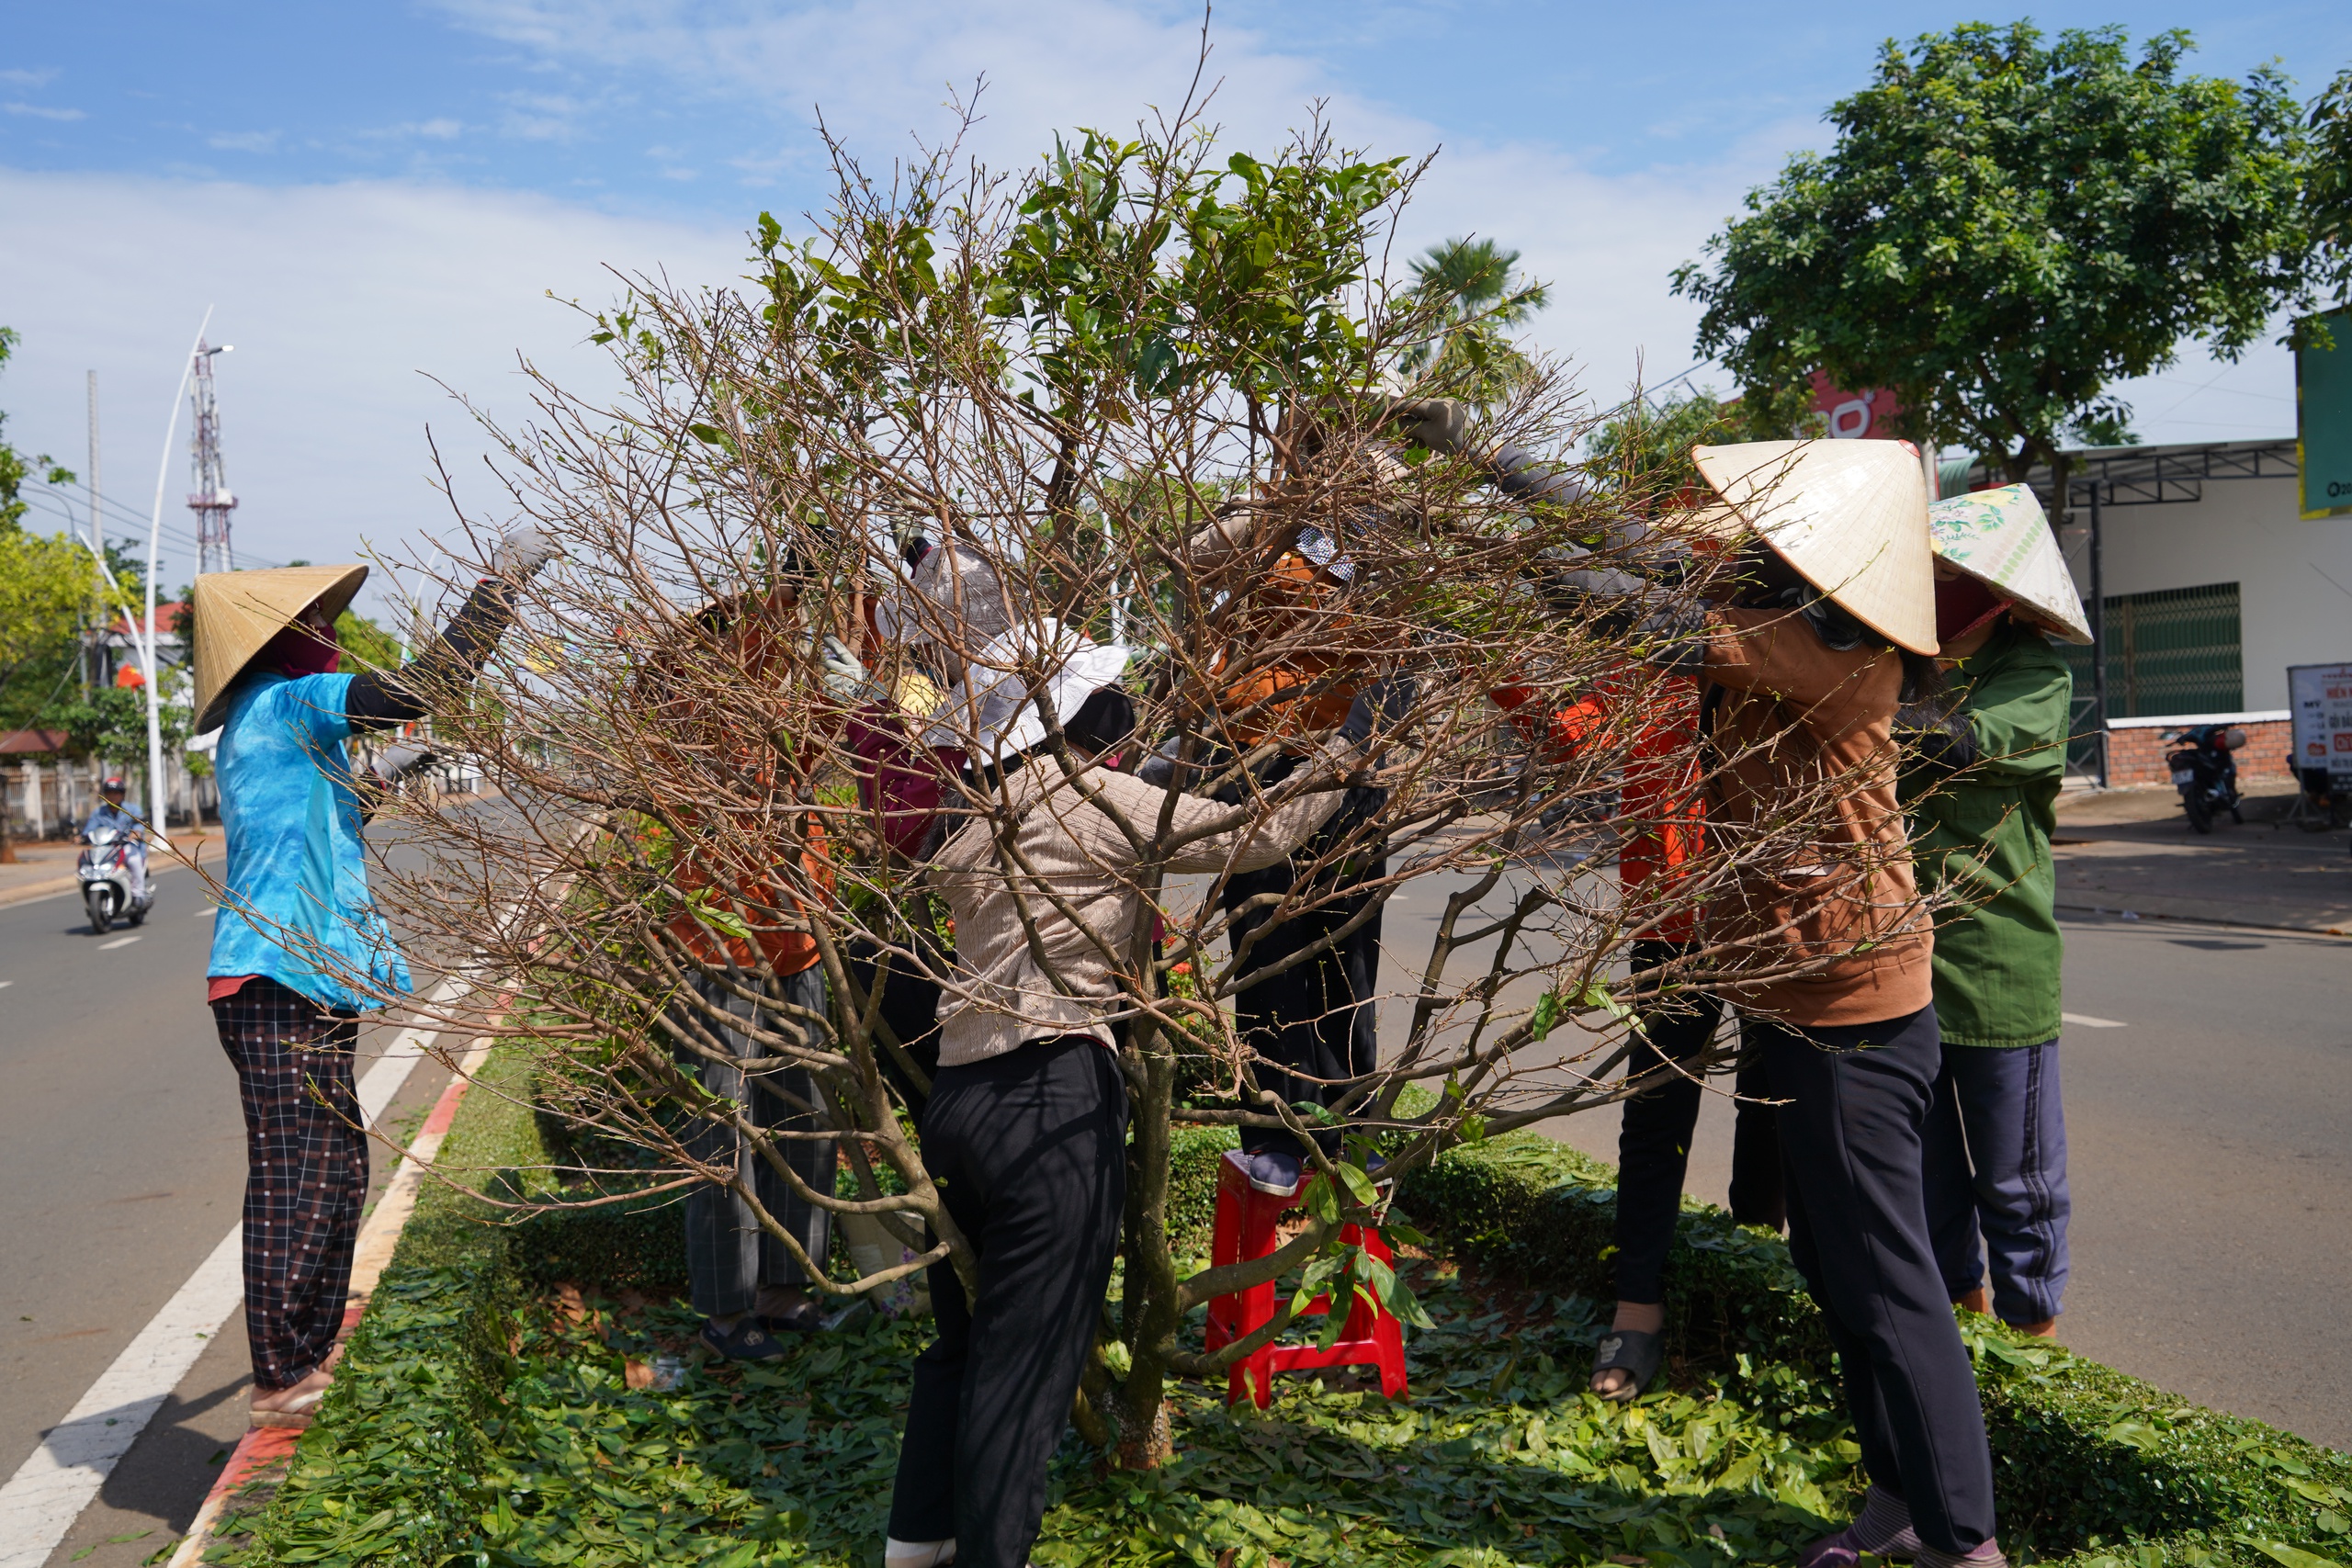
(307, 1173)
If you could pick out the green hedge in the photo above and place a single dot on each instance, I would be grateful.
(2088, 1459)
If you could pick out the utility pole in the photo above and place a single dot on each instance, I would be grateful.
(98, 545)
(212, 501)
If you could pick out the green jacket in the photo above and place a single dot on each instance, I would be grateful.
(1984, 832)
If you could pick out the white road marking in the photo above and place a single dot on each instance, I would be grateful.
(119, 941)
(6, 984)
(50, 1490)
(207, 912)
(2087, 1022)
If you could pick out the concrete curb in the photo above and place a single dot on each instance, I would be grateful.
(2221, 921)
(26, 893)
(262, 1454)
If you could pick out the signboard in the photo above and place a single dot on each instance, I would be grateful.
(2320, 696)
(1859, 416)
(2323, 421)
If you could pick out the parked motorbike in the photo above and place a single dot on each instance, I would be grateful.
(105, 870)
(2205, 773)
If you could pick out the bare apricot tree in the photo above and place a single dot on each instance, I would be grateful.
(1143, 399)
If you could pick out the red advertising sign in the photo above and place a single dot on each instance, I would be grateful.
(1855, 416)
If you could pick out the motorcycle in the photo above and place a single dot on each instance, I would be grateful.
(2205, 773)
(105, 870)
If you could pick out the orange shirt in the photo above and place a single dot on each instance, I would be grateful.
(1658, 797)
(1288, 602)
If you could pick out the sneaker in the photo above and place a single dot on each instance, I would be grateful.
(1270, 1171)
(897, 1553)
(750, 1341)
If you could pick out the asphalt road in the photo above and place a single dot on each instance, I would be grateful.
(2210, 1162)
(121, 1166)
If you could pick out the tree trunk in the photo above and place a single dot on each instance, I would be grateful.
(1149, 1312)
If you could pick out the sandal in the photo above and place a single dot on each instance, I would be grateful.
(1632, 1352)
(295, 1418)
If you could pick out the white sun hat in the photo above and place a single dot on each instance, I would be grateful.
(2001, 538)
(988, 713)
(1851, 516)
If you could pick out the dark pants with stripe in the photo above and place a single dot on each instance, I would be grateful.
(1030, 1147)
(729, 1255)
(1316, 1025)
(1997, 1168)
(1654, 1139)
(1852, 1138)
(306, 1178)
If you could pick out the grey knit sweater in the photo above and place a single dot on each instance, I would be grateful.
(1067, 853)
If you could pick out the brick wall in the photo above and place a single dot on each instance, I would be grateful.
(2136, 756)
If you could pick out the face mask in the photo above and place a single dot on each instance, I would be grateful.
(298, 650)
(1963, 604)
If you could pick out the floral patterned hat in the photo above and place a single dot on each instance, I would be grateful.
(2001, 538)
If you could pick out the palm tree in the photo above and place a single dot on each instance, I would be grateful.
(1478, 297)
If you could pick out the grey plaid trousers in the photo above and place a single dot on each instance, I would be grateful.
(728, 1256)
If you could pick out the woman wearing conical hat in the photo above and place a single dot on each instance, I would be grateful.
(1802, 674)
(1981, 783)
(297, 947)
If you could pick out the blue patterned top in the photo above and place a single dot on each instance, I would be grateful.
(297, 907)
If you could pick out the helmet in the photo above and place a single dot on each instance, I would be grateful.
(114, 786)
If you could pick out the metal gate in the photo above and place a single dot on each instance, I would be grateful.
(2176, 650)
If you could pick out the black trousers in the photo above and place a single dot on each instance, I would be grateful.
(1653, 1140)
(306, 1176)
(729, 1254)
(1851, 1134)
(1318, 1019)
(1030, 1147)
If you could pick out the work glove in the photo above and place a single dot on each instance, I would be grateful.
(1934, 731)
(394, 763)
(845, 678)
(1441, 425)
(523, 550)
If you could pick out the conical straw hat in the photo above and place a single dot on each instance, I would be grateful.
(238, 612)
(2001, 538)
(1851, 516)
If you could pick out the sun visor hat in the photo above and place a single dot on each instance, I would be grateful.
(2001, 538)
(1851, 516)
(954, 597)
(237, 614)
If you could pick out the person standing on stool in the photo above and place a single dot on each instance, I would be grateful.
(1026, 1127)
(297, 937)
(1981, 789)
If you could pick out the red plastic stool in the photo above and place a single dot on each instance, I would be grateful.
(1245, 1229)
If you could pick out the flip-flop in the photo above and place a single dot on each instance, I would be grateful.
(751, 1341)
(1632, 1352)
(295, 1418)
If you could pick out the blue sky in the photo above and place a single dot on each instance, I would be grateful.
(373, 196)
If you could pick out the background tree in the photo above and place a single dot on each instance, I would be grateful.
(1642, 451)
(2328, 192)
(2005, 228)
(1474, 295)
(15, 468)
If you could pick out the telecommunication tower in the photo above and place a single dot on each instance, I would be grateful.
(212, 501)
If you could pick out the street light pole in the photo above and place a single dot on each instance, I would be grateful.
(157, 823)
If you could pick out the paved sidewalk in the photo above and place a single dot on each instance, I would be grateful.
(2132, 851)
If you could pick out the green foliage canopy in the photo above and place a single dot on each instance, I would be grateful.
(2328, 192)
(1477, 296)
(2005, 228)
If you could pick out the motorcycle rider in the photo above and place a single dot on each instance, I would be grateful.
(111, 813)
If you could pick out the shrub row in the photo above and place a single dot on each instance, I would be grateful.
(2088, 1458)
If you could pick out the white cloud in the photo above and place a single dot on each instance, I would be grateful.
(441, 130)
(340, 300)
(18, 76)
(40, 111)
(244, 142)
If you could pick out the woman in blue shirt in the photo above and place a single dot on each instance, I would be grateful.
(298, 948)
